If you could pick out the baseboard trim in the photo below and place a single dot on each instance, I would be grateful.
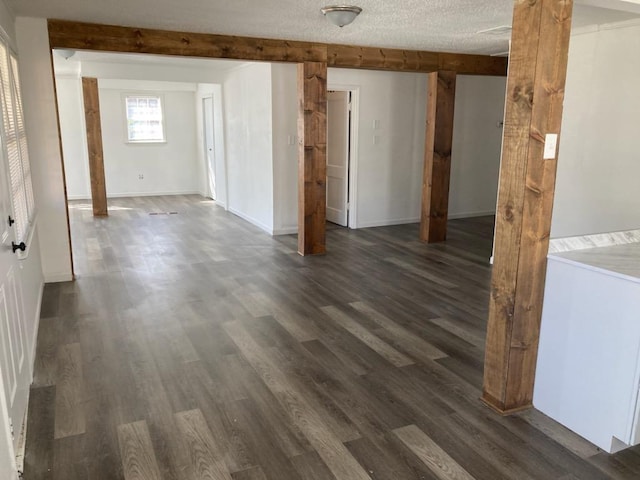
(251, 220)
(387, 223)
(286, 231)
(455, 216)
(134, 194)
(150, 194)
(58, 277)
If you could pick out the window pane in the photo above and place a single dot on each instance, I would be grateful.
(144, 118)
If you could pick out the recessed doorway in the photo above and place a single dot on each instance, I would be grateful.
(340, 153)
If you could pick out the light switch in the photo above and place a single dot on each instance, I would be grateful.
(550, 146)
(376, 124)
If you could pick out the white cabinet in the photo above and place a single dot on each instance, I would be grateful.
(588, 371)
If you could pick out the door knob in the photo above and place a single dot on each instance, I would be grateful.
(11, 221)
(18, 246)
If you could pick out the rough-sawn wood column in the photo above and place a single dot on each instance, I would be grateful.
(94, 145)
(312, 157)
(441, 93)
(535, 95)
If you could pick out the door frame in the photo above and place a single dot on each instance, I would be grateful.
(352, 161)
(7, 441)
(214, 195)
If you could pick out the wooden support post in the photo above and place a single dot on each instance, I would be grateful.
(312, 157)
(535, 94)
(94, 145)
(441, 96)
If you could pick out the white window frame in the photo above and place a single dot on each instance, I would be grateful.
(127, 132)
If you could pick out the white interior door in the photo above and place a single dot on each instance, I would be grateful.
(337, 157)
(207, 108)
(14, 363)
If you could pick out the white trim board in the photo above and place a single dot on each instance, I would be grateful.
(148, 194)
(485, 213)
(285, 231)
(36, 329)
(58, 277)
(251, 220)
(387, 223)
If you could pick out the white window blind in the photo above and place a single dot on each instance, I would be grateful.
(144, 118)
(22, 139)
(15, 144)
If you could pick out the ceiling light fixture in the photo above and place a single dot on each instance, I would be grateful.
(341, 15)
(65, 53)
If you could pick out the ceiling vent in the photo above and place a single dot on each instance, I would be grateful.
(496, 31)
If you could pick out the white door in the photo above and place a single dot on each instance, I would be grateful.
(14, 364)
(207, 108)
(337, 157)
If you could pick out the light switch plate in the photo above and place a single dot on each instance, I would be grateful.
(550, 146)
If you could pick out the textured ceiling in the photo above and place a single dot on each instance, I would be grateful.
(441, 25)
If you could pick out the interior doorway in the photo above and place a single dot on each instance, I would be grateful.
(209, 152)
(340, 146)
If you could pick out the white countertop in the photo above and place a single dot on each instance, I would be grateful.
(618, 260)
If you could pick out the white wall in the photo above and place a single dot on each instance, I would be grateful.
(167, 168)
(477, 142)
(390, 157)
(44, 149)
(598, 179)
(74, 140)
(285, 148)
(248, 143)
(146, 71)
(389, 174)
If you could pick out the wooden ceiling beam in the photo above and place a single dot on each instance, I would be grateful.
(112, 38)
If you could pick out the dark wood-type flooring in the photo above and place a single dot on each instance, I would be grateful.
(194, 346)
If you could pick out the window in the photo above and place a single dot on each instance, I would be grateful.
(14, 144)
(144, 119)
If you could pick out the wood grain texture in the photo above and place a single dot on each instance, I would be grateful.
(365, 336)
(88, 36)
(138, 458)
(38, 460)
(312, 157)
(206, 456)
(157, 308)
(70, 395)
(94, 145)
(411, 343)
(328, 446)
(441, 96)
(440, 463)
(535, 93)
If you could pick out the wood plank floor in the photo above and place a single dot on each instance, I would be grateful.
(194, 346)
